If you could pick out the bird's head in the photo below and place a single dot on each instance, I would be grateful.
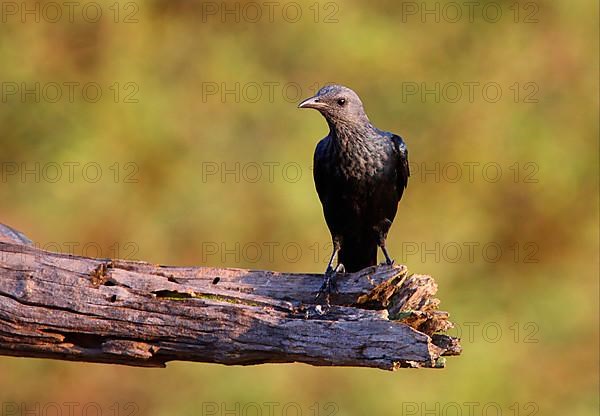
(337, 104)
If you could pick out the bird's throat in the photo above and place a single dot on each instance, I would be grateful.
(349, 137)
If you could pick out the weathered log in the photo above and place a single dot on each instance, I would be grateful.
(68, 307)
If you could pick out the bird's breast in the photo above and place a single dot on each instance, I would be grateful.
(363, 163)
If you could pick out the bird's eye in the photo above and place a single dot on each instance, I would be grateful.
(341, 101)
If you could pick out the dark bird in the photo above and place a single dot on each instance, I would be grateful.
(360, 174)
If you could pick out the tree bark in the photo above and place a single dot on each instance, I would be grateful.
(134, 313)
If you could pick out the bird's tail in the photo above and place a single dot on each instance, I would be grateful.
(358, 255)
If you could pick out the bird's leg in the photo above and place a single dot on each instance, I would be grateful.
(388, 259)
(329, 285)
(336, 249)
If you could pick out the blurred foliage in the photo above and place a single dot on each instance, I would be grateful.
(158, 198)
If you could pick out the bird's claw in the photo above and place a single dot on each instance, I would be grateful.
(388, 262)
(327, 288)
(329, 285)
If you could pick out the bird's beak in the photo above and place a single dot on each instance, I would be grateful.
(312, 102)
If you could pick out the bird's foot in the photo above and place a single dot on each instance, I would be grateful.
(329, 285)
(388, 262)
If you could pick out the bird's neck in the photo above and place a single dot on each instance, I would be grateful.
(347, 135)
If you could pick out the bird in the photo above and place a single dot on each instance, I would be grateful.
(360, 174)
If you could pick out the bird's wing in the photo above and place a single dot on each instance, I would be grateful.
(320, 171)
(403, 169)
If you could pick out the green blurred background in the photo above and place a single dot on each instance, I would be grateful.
(205, 160)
